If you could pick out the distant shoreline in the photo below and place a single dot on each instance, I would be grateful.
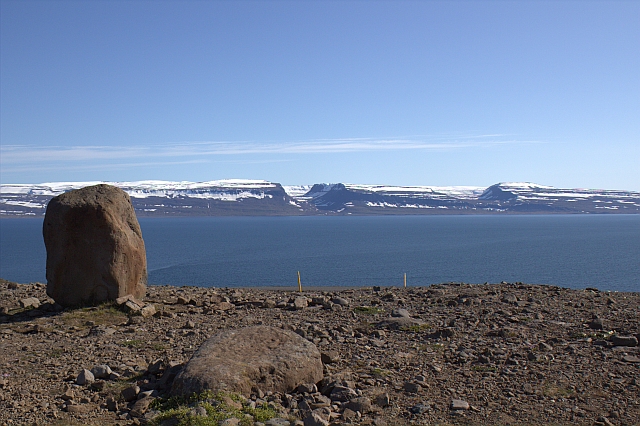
(338, 289)
(439, 213)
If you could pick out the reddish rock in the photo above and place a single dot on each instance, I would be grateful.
(95, 251)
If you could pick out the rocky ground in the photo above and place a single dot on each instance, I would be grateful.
(450, 354)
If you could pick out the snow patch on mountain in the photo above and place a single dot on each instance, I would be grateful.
(296, 191)
(224, 197)
(227, 189)
(462, 192)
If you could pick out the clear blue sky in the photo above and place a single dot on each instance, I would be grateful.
(407, 93)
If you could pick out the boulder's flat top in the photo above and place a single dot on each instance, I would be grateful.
(511, 353)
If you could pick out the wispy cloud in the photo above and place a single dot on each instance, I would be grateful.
(94, 166)
(16, 155)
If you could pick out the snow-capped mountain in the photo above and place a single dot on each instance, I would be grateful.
(511, 197)
(165, 198)
(529, 196)
(259, 197)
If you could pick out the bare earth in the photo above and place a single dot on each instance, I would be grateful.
(516, 353)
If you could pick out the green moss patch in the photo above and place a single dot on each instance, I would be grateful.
(218, 407)
(368, 310)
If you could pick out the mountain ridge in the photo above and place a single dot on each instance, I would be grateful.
(244, 197)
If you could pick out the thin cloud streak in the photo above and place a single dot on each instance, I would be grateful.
(101, 166)
(27, 154)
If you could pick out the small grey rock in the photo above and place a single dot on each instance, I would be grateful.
(300, 302)
(596, 324)
(320, 401)
(509, 298)
(132, 307)
(30, 302)
(101, 330)
(342, 393)
(131, 393)
(545, 346)
(605, 421)
(459, 404)
(318, 417)
(624, 340)
(141, 406)
(349, 415)
(101, 371)
(400, 313)
(156, 366)
(148, 311)
(269, 303)
(361, 404)
(340, 301)
(419, 408)
(85, 377)
(199, 411)
(112, 404)
(307, 388)
(330, 357)
(411, 387)
(383, 400)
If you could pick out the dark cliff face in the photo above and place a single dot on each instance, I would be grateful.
(495, 192)
(338, 196)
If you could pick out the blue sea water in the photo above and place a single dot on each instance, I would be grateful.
(575, 251)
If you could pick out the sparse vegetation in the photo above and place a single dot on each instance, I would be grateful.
(555, 391)
(379, 372)
(368, 310)
(483, 368)
(104, 314)
(218, 406)
(56, 353)
(133, 343)
(418, 328)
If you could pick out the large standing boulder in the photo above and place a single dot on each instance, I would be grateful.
(95, 250)
(239, 360)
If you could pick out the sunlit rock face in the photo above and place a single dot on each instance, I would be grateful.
(95, 250)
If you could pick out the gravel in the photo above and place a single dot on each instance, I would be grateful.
(466, 354)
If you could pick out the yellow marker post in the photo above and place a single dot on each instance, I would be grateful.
(299, 283)
(405, 280)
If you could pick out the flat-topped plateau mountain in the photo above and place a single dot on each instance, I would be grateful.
(239, 197)
(454, 354)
